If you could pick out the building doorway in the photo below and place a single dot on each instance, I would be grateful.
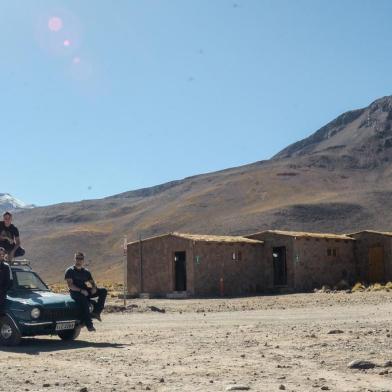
(279, 264)
(180, 271)
(376, 264)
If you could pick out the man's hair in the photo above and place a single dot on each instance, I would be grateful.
(2, 250)
(7, 213)
(79, 255)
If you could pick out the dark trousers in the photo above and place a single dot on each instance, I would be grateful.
(101, 294)
(3, 300)
(19, 252)
(84, 304)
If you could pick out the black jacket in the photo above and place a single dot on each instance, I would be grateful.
(5, 277)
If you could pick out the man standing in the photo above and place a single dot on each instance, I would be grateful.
(5, 281)
(77, 277)
(9, 237)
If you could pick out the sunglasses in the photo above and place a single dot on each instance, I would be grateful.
(79, 258)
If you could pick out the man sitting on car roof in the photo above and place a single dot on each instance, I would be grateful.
(77, 277)
(5, 280)
(9, 237)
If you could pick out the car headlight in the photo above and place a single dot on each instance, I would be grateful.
(35, 313)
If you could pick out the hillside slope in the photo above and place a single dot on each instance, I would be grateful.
(339, 179)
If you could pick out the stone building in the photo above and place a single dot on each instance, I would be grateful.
(197, 265)
(303, 261)
(178, 264)
(373, 253)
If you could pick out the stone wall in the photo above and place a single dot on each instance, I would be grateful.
(308, 263)
(157, 275)
(272, 240)
(366, 240)
(240, 265)
(321, 261)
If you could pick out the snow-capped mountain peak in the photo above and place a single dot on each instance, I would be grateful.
(8, 202)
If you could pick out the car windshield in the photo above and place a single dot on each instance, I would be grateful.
(29, 281)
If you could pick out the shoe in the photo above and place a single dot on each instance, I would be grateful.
(91, 329)
(96, 316)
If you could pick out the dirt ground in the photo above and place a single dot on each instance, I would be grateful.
(297, 342)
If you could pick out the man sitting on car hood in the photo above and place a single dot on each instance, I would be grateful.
(77, 277)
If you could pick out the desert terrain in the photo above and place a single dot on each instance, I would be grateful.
(297, 342)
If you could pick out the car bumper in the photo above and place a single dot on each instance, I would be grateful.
(32, 328)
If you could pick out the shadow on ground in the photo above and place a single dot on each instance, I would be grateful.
(34, 346)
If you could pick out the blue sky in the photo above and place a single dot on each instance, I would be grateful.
(100, 97)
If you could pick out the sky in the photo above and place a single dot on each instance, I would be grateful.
(100, 97)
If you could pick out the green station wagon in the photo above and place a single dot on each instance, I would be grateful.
(32, 309)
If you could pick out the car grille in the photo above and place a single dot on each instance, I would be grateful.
(59, 314)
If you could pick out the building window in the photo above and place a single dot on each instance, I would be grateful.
(332, 252)
(233, 256)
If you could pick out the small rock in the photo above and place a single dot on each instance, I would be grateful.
(237, 387)
(387, 364)
(325, 388)
(155, 309)
(84, 389)
(282, 387)
(46, 385)
(335, 331)
(361, 364)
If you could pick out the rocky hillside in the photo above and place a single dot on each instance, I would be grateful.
(339, 179)
(359, 139)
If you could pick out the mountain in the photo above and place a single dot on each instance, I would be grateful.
(10, 203)
(359, 139)
(338, 179)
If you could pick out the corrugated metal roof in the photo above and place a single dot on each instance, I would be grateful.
(205, 238)
(303, 234)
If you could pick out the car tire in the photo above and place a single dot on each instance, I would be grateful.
(71, 334)
(9, 333)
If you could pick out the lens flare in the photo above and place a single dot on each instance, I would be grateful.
(55, 24)
(67, 42)
(76, 60)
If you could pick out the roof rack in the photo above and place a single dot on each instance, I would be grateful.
(21, 263)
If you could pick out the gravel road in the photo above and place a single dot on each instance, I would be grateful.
(300, 342)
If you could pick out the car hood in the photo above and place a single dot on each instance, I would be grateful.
(41, 298)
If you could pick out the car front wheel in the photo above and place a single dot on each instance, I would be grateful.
(9, 334)
(70, 334)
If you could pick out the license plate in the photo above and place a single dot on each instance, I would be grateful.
(61, 326)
